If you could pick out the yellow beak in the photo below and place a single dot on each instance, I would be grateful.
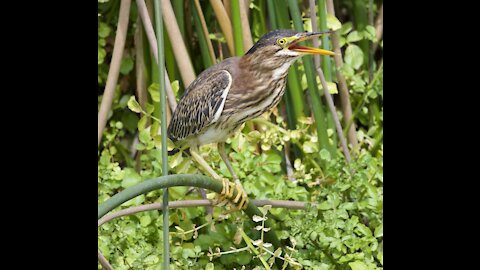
(309, 50)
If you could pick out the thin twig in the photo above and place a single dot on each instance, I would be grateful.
(114, 70)
(147, 24)
(179, 49)
(139, 65)
(152, 40)
(338, 126)
(343, 93)
(195, 203)
(103, 262)
(326, 91)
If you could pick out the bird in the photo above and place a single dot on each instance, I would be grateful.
(223, 97)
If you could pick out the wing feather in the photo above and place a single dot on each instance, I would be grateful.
(201, 105)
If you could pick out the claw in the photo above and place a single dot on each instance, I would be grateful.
(240, 194)
(228, 190)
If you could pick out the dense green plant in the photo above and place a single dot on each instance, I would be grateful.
(280, 158)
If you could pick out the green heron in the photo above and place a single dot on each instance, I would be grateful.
(238, 89)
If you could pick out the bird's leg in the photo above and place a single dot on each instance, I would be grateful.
(240, 191)
(223, 155)
(198, 158)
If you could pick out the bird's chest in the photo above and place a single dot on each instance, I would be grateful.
(271, 98)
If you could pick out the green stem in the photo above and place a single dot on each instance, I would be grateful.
(318, 110)
(237, 27)
(378, 139)
(326, 60)
(178, 8)
(163, 127)
(294, 92)
(361, 20)
(252, 248)
(271, 14)
(207, 60)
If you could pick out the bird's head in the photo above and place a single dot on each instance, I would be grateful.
(283, 46)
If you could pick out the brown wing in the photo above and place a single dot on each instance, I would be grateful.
(201, 105)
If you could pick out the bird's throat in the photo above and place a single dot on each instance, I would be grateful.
(281, 71)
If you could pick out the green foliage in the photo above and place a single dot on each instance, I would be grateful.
(345, 228)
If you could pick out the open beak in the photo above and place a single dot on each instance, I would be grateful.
(309, 50)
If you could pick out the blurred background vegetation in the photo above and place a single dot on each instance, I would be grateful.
(291, 153)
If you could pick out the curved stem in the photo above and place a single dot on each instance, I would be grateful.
(174, 180)
(103, 262)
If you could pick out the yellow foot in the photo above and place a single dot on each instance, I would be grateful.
(222, 197)
(241, 199)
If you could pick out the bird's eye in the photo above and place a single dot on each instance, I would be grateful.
(281, 41)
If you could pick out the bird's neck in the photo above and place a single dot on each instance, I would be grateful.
(260, 66)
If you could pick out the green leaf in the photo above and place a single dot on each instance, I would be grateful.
(358, 265)
(346, 27)
(154, 128)
(175, 87)
(101, 55)
(258, 218)
(333, 23)
(364, 229)
(144, 136)
(142, 123)
(131, 178)
(243, 258)
(157, 139)
(150, 108)
(103, 30)
(379, 231)
(332, 88)
(209, 266)
(325, 155)
(145, 220)
(127, 65)
(310, 147)
(324, 205)
(133, 105)
(370, 33)
(176, 159)
(354, 56)
(154, 90)
(354, 36)
(135, 201)
(188, 253)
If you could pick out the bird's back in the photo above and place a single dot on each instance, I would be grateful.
(203, 100)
